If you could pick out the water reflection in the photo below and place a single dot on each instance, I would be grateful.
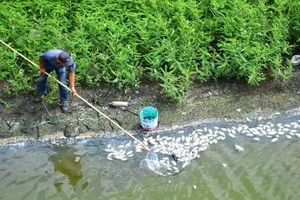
(66, 162)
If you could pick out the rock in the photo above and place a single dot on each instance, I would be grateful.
(45, 129)
(82, 128)
(90, 120)
(29, 130)
(3, 126)
(91, 124)
(71, 130)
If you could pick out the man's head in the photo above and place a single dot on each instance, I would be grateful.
(65, 59)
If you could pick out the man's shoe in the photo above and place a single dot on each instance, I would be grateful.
(38, 98)
(64, 106)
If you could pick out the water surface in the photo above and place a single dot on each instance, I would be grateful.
(78, 169)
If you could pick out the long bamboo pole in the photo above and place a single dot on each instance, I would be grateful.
(80, 97)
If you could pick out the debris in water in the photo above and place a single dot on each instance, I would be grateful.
(77, 159)
(288, 136)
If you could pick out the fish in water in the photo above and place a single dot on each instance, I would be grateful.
(239, 148)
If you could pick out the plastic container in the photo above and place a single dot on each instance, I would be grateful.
(295, 60)
(149, 118)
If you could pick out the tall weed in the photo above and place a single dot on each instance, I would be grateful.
(171, 41)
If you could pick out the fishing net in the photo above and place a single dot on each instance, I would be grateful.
(160, 161)
(151, 162)
(160, 167)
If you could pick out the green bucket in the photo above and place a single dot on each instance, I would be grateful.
(149, 118)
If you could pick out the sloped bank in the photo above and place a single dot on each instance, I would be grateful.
(226, 100)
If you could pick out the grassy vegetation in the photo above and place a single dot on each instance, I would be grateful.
(174, 42)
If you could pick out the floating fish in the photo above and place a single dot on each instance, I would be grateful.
(239, 148)
(274, 140)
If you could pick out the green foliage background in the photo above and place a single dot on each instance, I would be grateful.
(174, 42)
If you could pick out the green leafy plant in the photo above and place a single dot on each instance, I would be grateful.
(171, 41)
(6, 104)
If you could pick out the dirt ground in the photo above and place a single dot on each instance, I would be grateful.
(225, 100)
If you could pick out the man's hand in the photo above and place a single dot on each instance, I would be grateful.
(73, 91)
(42, 70)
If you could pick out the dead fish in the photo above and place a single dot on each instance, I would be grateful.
(138, 150)
(108, 150)
(128, 144)
(185, 164)
(129, 152)
(173, 162)
(109, 157)
(239, 148)
(288, 136)
(221, 133)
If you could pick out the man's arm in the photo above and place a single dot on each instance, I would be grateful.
(42, 65)
(72, 83)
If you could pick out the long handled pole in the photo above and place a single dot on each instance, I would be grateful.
(77, 95)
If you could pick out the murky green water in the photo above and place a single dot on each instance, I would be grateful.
(40, 171)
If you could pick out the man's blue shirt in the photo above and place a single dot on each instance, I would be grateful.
(49, 58)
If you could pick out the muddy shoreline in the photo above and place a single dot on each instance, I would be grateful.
(223, 100)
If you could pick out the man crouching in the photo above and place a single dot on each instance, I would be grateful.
(59, 61)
